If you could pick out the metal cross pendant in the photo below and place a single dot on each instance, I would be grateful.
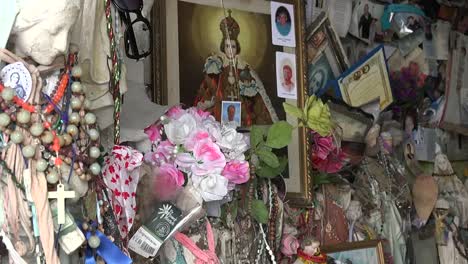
(232, 97)
(61, 195)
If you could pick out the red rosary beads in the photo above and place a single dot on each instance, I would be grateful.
(55, 100)
(59, 95)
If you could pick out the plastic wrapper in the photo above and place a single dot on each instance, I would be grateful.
(150, 232)
(403, 19)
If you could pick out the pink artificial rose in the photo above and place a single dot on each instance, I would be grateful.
(175, 112)
(202, 114)
(322, 146)
(150, 157)
(162, 154)
(170, 170)
(165, 149)
(289, 245)
(209, 158)
(194, 137)
(331, 164)
(153, 132)
(168, 181)
(237, 171)
(198, 113)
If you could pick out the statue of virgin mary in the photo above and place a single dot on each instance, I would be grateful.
(228, 78)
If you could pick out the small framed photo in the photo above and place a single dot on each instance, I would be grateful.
(286, 75)
(282, 24)
(231, 113)
(365, 21)
(356, 252)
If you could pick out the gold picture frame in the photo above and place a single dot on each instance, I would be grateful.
(371, 251)
(166, 78)
(158, 54)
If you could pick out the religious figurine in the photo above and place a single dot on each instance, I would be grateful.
(229, 78)
(450, 186)
(441, 211)
(310, 252)
(41, 29)
(448, 252)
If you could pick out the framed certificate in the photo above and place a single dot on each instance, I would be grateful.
(367, 81)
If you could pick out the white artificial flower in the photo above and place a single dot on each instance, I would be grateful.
(213, 127)
(232, 143)
(178, 130)
(212, 187)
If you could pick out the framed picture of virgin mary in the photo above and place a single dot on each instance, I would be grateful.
(219, 53)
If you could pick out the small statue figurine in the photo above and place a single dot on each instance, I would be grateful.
(310, 252)
(450, 187)
(445, 233)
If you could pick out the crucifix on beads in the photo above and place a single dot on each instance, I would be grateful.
(232, 97)
(61, 195)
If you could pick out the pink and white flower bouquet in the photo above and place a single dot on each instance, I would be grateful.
(191, 148)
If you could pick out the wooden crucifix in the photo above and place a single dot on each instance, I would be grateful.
(61, 195)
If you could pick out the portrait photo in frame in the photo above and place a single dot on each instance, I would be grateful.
(286, 75)
(193, 57)
(325, 56)
(231, 113)
(371, 251)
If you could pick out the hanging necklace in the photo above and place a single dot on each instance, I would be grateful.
(115, 72)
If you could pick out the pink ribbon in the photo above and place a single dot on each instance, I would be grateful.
(121, 174)
(202, 256)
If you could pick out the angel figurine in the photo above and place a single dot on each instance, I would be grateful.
(450, 186)
(310, 252)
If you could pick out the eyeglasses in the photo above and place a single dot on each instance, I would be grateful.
(138, 35)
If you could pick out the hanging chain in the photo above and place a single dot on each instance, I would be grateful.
(115, 72)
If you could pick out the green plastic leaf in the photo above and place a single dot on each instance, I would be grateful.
(279, 135)
(266, 171)
(292, 110)
(324, 178)
(256, 136)
(264, 147)
(259, 211)
(268, 157)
